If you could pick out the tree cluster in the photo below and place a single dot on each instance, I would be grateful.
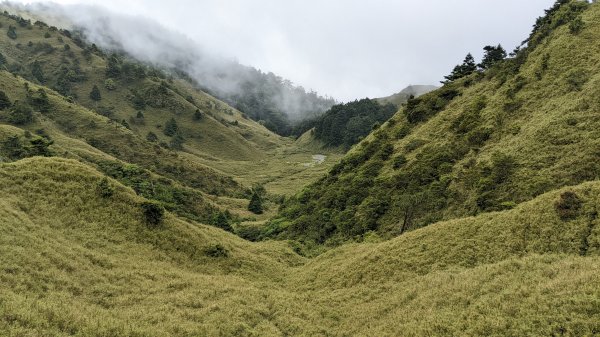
(346, 124)
(492, 55)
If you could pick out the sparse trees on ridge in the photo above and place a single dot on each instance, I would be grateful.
(465, 69)
(492, 56)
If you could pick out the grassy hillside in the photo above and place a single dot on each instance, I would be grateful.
(104, 230)
(403, 96)
(152, 130)
(137, 95)
(483, 143)
(76, 262)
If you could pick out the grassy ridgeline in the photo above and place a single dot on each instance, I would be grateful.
(77, 263)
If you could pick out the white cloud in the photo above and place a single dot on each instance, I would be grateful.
(345, 48)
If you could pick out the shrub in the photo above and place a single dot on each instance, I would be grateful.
(153, 213)
(576, 79)
(21, 114)
(198, 115)
(177, 141)
(110, 84)
(105, 190)
(216, 251)
(386, 151)
(13, 148)
(250, 233)
(151, 137)
(399, 161)
(4, 101)
(12, 32)
(220, 220)
(503, 167)
(568, 205)
(255, 205)
(576, 26)
(39, 146)
(39, 100)
(38, 72)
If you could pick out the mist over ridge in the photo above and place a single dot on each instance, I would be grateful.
(263, 96)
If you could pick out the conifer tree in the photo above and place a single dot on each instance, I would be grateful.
(255, 205)
(12, 32)
(171, 127)
(465, 69)
(95, 94)
(37, 71)
(492, 56)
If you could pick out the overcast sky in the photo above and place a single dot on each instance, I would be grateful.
(344, 48)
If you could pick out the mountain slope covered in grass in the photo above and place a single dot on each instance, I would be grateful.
(486, 142)
(151, 129)
(491, 181)
(79, 262)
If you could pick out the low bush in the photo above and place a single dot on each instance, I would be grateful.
(153, 213)
(568, 205)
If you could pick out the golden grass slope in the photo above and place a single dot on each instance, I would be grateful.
(74, 263)
(222, 133)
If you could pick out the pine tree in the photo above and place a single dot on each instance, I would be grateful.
(12, 32)
(113, 67)
(2, 60)
(492, 56)
(171, 127)
(255, 205)
(95, 94)
(37, 71)
(465, 69)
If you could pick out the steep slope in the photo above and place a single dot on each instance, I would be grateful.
(482, 143)
(135, 94)
(78, 262)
